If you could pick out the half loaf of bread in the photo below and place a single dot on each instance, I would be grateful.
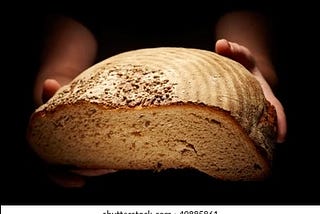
(160, 108)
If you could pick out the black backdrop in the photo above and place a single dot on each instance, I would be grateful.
(295, 179)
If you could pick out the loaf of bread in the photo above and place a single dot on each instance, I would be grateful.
(156, 109)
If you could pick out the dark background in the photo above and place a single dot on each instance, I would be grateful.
(295, 177)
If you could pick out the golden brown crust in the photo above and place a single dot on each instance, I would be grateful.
(264, 133)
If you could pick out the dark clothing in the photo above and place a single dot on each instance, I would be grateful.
(127, 25)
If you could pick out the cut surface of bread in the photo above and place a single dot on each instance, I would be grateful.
(160, 108)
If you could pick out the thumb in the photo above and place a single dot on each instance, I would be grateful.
(50, 86)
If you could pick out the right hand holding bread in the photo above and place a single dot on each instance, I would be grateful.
(243, 55)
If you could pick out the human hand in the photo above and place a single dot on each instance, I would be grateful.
(62, 177)
(243, 55)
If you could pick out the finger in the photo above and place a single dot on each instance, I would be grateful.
(281, 117)
(236, 52)
(282, 122)
(223, 47)
(67, 179)
(50, 86)
(92, 172)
